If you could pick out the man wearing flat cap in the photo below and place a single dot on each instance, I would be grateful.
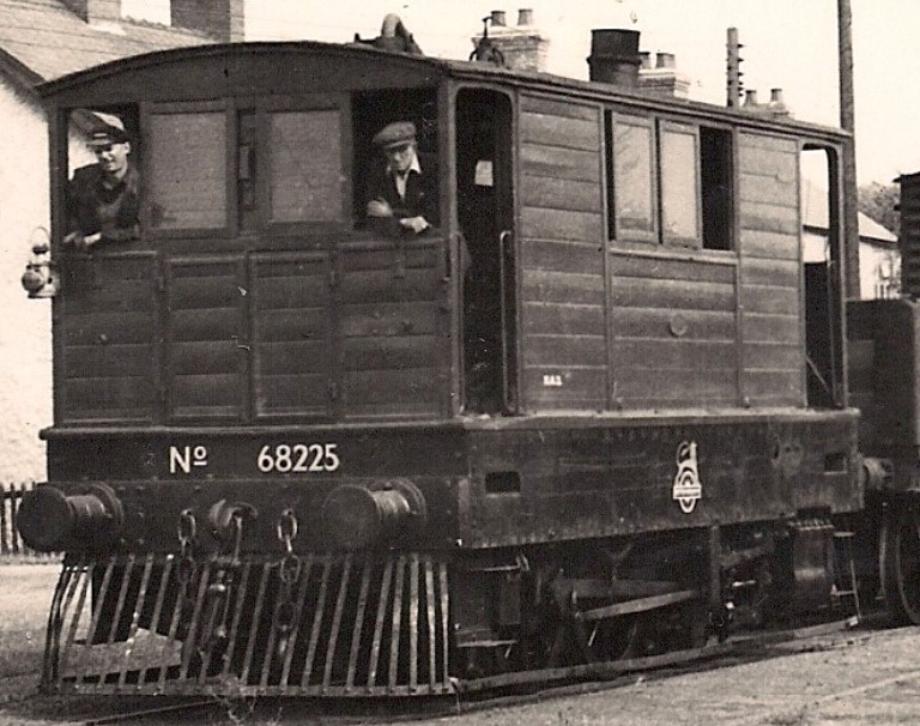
(103, 203)
(404, 192)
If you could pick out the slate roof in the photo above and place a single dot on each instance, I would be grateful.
(814, 215)
(41, 40)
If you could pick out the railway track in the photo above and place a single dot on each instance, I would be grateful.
(503, 690)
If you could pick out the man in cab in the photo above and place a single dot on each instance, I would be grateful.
(103, 202)
(403, 193)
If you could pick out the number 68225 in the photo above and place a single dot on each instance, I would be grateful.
(284, 458)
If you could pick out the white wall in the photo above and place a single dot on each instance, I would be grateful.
(25, 325)
(879, 264)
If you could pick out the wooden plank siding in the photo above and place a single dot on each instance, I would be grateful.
(771, 268)
(292, 339)
(109, 332)
(563, 321)
(206, 342)
(391, 324)
(673, 331)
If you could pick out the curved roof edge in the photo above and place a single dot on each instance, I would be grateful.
(461, 69)
(154, 58)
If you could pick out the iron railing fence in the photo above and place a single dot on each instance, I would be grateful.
(11, 545)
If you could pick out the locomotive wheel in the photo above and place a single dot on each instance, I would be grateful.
(899, 556)
(619, 638)
(614, 639)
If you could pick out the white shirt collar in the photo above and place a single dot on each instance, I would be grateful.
(415, 166)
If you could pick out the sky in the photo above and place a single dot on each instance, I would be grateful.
(789, 44)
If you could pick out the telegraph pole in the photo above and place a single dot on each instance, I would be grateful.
(848, 123)
(733, 64)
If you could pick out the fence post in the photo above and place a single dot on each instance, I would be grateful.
(17, 494)
(4, 545)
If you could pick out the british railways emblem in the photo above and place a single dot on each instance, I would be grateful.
(688, 489)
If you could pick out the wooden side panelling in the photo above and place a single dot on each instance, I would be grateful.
(391, 323)
(563, 339)
(108, 329)
(206, 343)
(292, 346)
(770, 294)
(674, 332)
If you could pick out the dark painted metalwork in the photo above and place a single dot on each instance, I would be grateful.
(407, 626)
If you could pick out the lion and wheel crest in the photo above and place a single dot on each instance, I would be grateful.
(688, 489)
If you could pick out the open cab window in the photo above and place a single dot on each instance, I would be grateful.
(101, 192)
(374, 110)
(284, 165)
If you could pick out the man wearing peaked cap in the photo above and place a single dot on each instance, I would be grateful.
(103, 203)
(405, 189)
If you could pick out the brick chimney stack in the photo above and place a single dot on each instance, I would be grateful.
(664, 79)
(221, 19)
(95, 11)
(523, 45)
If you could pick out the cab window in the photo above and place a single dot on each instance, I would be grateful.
(188, 170)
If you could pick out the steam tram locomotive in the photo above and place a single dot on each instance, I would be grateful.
(597, 411)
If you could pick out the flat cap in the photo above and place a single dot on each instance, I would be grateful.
(395, 134)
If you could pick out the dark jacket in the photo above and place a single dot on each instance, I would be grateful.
(92, 207)
(421, 190)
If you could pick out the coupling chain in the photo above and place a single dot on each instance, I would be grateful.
(187, 569)
(187, 532)
(289, 569)
(215, 633)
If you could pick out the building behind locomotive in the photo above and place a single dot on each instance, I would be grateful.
(600, 367)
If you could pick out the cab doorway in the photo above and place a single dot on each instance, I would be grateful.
(486, 215)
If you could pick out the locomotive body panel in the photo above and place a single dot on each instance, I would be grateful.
(590, 388)
(563, 332)
(603, 478)
(771, 296)
(156, 338)
(546, 479)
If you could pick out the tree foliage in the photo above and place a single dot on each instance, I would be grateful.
(878, 201)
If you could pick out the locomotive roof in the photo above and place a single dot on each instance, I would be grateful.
(436, 67)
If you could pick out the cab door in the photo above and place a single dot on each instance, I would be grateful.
(486, 216)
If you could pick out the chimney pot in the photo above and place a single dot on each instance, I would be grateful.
(777, 105)
(665, 60)
(614, 56)
(750, 97)
(524, 47)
